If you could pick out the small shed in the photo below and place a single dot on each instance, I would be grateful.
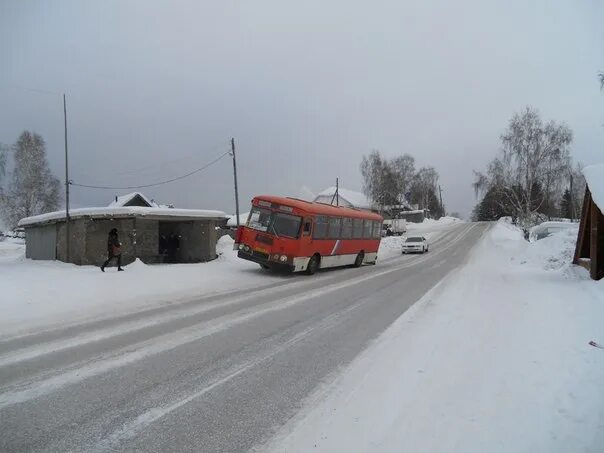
(589, 251)
(141, 227)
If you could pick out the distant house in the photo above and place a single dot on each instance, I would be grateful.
(589, 251)
(346, 198)
(132, 199)
(414, 216)
(142, 225)
(352, 199)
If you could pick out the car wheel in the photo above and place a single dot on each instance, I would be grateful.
(313, 264)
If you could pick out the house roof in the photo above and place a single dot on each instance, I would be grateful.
(116, 212)
(125, 199)
(356, 199)
(594, 176)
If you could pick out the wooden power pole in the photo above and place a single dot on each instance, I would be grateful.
(235, 179)
(67, 226)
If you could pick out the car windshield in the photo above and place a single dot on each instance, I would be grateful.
(276, 223)
(414, 240)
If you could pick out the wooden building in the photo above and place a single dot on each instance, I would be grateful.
(589, 251)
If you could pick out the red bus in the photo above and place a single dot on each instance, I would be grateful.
(297, 235)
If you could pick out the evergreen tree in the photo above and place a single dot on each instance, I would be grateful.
(566, 205)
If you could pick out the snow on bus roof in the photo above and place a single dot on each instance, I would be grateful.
(129, 211)
(319, 208)
(594, 176)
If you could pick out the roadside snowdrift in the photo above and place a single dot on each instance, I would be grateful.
(495, 358)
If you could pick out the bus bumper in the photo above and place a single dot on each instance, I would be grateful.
(284, 267)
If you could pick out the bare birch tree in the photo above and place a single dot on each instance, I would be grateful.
(532, 163)
(386, 181)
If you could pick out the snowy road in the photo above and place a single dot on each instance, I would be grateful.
(217, 374)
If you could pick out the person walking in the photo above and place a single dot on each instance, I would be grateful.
(114, 250)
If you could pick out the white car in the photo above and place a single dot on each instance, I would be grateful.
(415, 244)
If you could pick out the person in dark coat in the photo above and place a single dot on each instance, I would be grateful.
(113, 250)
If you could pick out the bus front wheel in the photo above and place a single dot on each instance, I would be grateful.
(313, 264)
(359, 261)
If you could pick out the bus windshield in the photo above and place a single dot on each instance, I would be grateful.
(276, 223)
(259, 219)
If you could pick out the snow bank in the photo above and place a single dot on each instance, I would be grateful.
(35, 293)
(495, 358)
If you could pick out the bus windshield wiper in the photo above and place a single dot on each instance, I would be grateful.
(273, 228)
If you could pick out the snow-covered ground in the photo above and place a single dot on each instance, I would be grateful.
(495, 358)
(34, 293)
(41, 293)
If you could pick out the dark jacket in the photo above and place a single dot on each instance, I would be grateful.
(112, 241)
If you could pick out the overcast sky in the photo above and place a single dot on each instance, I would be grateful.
(155, 89)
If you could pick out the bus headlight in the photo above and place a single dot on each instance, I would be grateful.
(241, 246)
(283, 258)
(276, 256)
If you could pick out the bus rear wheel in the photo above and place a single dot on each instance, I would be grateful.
(313, 264)
(359, 261)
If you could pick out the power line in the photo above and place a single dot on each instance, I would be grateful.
(142, 186)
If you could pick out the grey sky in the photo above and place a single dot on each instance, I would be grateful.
(306, 88)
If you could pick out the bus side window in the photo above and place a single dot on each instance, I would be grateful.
(346, 228)
(377, 229)
(335, 227)
(368, 224)
(321, 227)
(357, 228)
(306, 229)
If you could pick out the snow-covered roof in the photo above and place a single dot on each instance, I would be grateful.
(415, 211)
(594, 176)
(355, 199)
(125, 199)
(129, 211)
(232, 222)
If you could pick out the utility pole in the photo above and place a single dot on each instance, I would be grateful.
(235, 179)
(337, 192)
(570, 201)
(440, 194)
(67, 235)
